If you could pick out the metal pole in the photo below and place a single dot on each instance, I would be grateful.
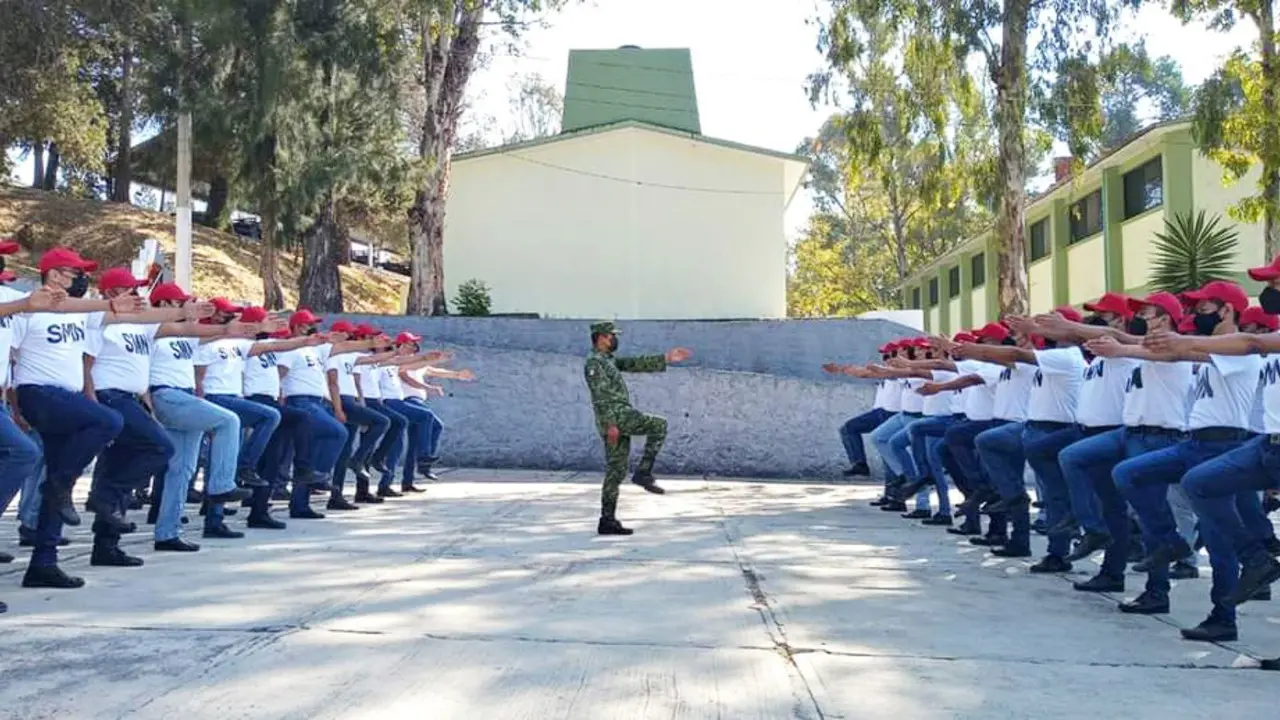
(182, 262)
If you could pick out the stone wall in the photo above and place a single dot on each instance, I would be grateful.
(753, 401)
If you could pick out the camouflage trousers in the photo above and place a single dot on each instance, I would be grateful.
(630, 422)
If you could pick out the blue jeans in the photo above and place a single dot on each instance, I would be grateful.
(1144, 481)
(258, 421)
(1041, 445)
(140, 451)
(852, 431)
(375, 425)
(423, 436)
(19, 458)
(1224, 492)
(960, 439)
(929, 452)
(1096, 502)
(73, 430)
(289, 434)
(1001, 453)
(431, 452)
(327, 434)
(188, 418)
(880, 438)
(388, 451)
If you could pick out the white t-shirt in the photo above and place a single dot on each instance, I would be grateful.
(892, 395)
(261, 376)
(878, 403)
(420, 375)
(173, 362)
(1013, 390)
(980, 400)
(51, 348)
(224, 361)
(389, 382)
(912, 401)
(122, 356)
(940, 403)
(344, 365)
(306, 371)
(1157, 394)
(7, 294)
(1055, 387)
(1225, 390)
(1102, 392)
(1269, 382)
(367, 376)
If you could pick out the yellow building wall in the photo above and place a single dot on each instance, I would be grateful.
(978, 298)
(953, 312)
(1212, 196)
(1086, 270)
(1040, 281)
(1137, 235)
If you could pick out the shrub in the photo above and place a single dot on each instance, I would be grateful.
(473, 299)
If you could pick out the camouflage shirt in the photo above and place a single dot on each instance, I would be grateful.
(608, 390)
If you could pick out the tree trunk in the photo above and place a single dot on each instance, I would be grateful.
(122, 178)
(51, 167)
(1011, 98)
(320, 286)
(217, 214)
(448, 60)
(265, 156)
(1270, 130)
(37, 179)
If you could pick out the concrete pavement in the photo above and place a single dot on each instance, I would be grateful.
(491, 598)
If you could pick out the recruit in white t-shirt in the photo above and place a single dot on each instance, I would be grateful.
(878, 403)
(1269, 381)
(1157, 394)
(51, 348)
(1055, 387)
(389, 382)
(980, 400)
(1013, 390)
(1225, 390)
(306, 374)
(224, 361)
(892, 400)
(1102, 392)
(261, 377)
(940, 403)
(122, 356)
(173, 362)
(7, 294)
(912, 401)
(420, 375)
(344, 366)
(367, 377)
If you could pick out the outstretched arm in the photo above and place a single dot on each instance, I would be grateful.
(1006, 355)
(1110, 347)
(1233, 344)
(1056, 327)
(960, 383)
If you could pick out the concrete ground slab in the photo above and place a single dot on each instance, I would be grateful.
(491, 597)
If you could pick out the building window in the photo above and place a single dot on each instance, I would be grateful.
(978, 269)
(953, 282)
(1039, 240)
(933, 292)
(915, 298)
(1143, 188)
(1086, 217)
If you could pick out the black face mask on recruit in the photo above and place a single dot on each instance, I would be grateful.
(1137, 326)
(262, 336)
(1207, 322)
(79, 286)
(1269, 299)
(1096, 321)
(1008, 341)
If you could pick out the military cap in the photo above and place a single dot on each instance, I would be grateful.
(605, 328)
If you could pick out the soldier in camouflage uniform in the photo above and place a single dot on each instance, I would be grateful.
(617, 421)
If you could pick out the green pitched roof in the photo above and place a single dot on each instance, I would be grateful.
(648, 86)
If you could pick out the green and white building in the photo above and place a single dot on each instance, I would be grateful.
(1092, 232)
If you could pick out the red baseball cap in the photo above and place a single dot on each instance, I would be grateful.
(65, 258)
(7, 276)
(168, 292)
(1069, 313)
(224, 305)
(1266, 272)
(343, 326)
(252, 314)
(1111, 303)
(889, 347)
(1166, 301)
(365, 330)
(992, 331)
(9, 247)
(304, 317)
(407, 337)
(119, 277)
(1227, 293)
(1187, 324)
(1037, 341)
(964, 336)
(1257, 316)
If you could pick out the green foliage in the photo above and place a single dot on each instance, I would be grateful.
(473, 299)
(1192, 251)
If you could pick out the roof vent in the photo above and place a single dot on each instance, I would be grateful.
(629, 47)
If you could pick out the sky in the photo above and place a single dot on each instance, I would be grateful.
(750, 79)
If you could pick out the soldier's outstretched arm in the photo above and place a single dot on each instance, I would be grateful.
(641, 363)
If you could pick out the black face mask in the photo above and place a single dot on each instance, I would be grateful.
(1137, 326)
(1206, 322)
(613, 343)
(1, 262)
(79, 286)
(885, 358)
(1269, 299)
(1096, 321)
(911, 353)
(1050, 344)
(262, 336)
(311, 331)
(1008, 341)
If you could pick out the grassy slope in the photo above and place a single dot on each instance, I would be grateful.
(224, 265)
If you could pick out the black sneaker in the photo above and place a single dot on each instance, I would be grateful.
(647, 481)
(1146, 603)
(1212, 630)
(222, 532)
(367, 499)
(610, 526)
(894, 506)
(264, 522)
(114, 557)
(939, 519)
(859, 470)
(912, 488)
(989, 541)
(918, 515)
(250, 479)
(61, 500)
(411, 488)
(388, 493)
(50, 577)
(1169, 553)
(307, 514)
(879, 501)
(1009, 551)
(232, 495)
(1091, 543)
(340, 503)
(176, 545)
(1051, 564)
(1183, 571)
(1252, 579)
(1100, 584)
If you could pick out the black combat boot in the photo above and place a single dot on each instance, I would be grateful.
(609, 524)
(644, 478)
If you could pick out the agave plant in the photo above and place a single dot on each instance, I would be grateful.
(1192, 251)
